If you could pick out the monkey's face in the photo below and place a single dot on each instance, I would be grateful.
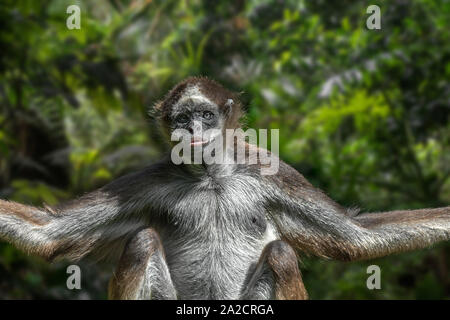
(196, 118)
(199, 110)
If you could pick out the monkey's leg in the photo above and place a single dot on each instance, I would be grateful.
(276, 275)
(142, 272)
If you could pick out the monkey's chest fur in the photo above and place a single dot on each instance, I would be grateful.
(213, 231)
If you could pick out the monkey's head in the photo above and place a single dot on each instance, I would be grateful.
(197, 105)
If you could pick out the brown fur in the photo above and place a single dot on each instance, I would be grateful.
(24, 212)
(372, 220)
(133, 262)
(283, 262)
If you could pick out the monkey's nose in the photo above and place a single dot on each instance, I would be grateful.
(196, 128)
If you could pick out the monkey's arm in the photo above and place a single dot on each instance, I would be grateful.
(313, 223)
(94, 223)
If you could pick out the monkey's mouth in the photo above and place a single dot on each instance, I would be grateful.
(198, 142)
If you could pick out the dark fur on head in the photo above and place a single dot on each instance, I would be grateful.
(232, 110)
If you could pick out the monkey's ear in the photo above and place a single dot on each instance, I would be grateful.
(155, 111)
(228, 107)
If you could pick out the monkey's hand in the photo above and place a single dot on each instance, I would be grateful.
(94, 223)
(313, 223)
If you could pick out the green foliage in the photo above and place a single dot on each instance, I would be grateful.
(363, 114)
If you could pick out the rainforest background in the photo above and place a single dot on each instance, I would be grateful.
(363, 114)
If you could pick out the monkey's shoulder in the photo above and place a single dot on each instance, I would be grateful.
(294, 185)
(285, 176)
(288, 177)
(288, 182)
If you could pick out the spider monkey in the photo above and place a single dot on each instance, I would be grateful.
(212, 231)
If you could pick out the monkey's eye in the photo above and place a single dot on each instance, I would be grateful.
(208, 115)
(182, 118)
